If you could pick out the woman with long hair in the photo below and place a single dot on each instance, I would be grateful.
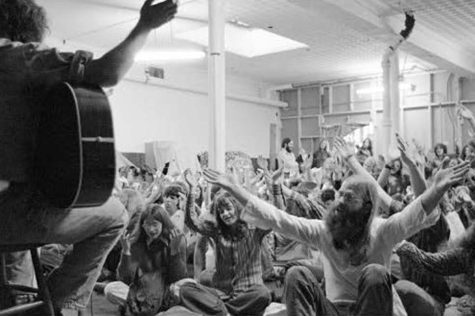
(153, 270)
(238, 277)
(153, 257)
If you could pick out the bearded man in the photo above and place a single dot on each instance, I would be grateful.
(287, 158)
(355, 245)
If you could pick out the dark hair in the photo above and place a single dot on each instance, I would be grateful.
(155, 212)
(463, 156)
(285, 141)
(138, 241)
(221, 200)
(327, 195)
(347, 226)
(370, 147)
(22, 20)
(135, 171)
(175, 189)
(399, 172)
(440, 145)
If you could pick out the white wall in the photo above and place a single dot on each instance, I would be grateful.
(146, 112)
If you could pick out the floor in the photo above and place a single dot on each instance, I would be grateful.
(101, 307)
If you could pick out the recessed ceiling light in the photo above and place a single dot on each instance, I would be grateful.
(169, 55)
(245, 41)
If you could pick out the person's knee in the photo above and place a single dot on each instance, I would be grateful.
(116, 292)
(114, 213)
(375, 274)
(297, 275)
(405, 289)
(263, 295)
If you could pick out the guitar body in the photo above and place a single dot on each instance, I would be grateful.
(75, 154)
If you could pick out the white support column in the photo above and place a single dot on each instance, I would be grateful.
(217, 85)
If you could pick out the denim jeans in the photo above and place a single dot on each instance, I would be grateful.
(27, 217)
(303, 295)
(416, 301)
(252, 302)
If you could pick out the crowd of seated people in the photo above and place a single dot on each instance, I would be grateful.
(370, 236)
(376, 237)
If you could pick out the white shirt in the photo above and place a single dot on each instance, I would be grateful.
(341, 278)
(290, 164)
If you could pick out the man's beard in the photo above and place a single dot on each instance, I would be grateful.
(289, 150)
(350, 229)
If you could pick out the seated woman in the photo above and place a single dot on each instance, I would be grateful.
(153, 260)
(238, 277)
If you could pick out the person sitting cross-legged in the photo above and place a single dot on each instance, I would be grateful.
(356, 246)
(152, 269)
(238, 247)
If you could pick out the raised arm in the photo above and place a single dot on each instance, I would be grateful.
(266, 216)
(443, 180)
(110, 68)
(127, 266)
(417, 179)
(417, 215)
(347, 153)
(192, 219)
(465, 113)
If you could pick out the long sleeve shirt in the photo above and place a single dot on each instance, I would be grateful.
(341, 277)
(238, 262)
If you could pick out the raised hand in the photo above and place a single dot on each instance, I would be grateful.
(276, 176)
(155, 15)
(462, 111)
(262, 163)
(125, 243)
(445, 178)
(190, 178)
(220, 179)
(402, 146)
(307, 163)
(342, 148)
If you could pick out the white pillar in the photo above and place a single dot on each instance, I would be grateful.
(217, 81)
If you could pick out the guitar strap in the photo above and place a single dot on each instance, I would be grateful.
(78, 64)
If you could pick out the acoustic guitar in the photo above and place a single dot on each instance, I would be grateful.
(75, 154)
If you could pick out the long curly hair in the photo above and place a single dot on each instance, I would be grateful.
(221, 200)
(22, 20)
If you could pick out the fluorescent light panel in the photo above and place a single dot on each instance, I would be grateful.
(169, 55)
(245, 41)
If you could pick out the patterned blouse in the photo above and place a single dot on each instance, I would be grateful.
(238, 262)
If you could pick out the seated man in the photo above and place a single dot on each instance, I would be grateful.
(356, 247)
(27, 70)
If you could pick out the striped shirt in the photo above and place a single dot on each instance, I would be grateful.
(238, 262)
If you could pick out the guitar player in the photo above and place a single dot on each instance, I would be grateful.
(27, 70)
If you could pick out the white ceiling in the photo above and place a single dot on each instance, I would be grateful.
(345, 38)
